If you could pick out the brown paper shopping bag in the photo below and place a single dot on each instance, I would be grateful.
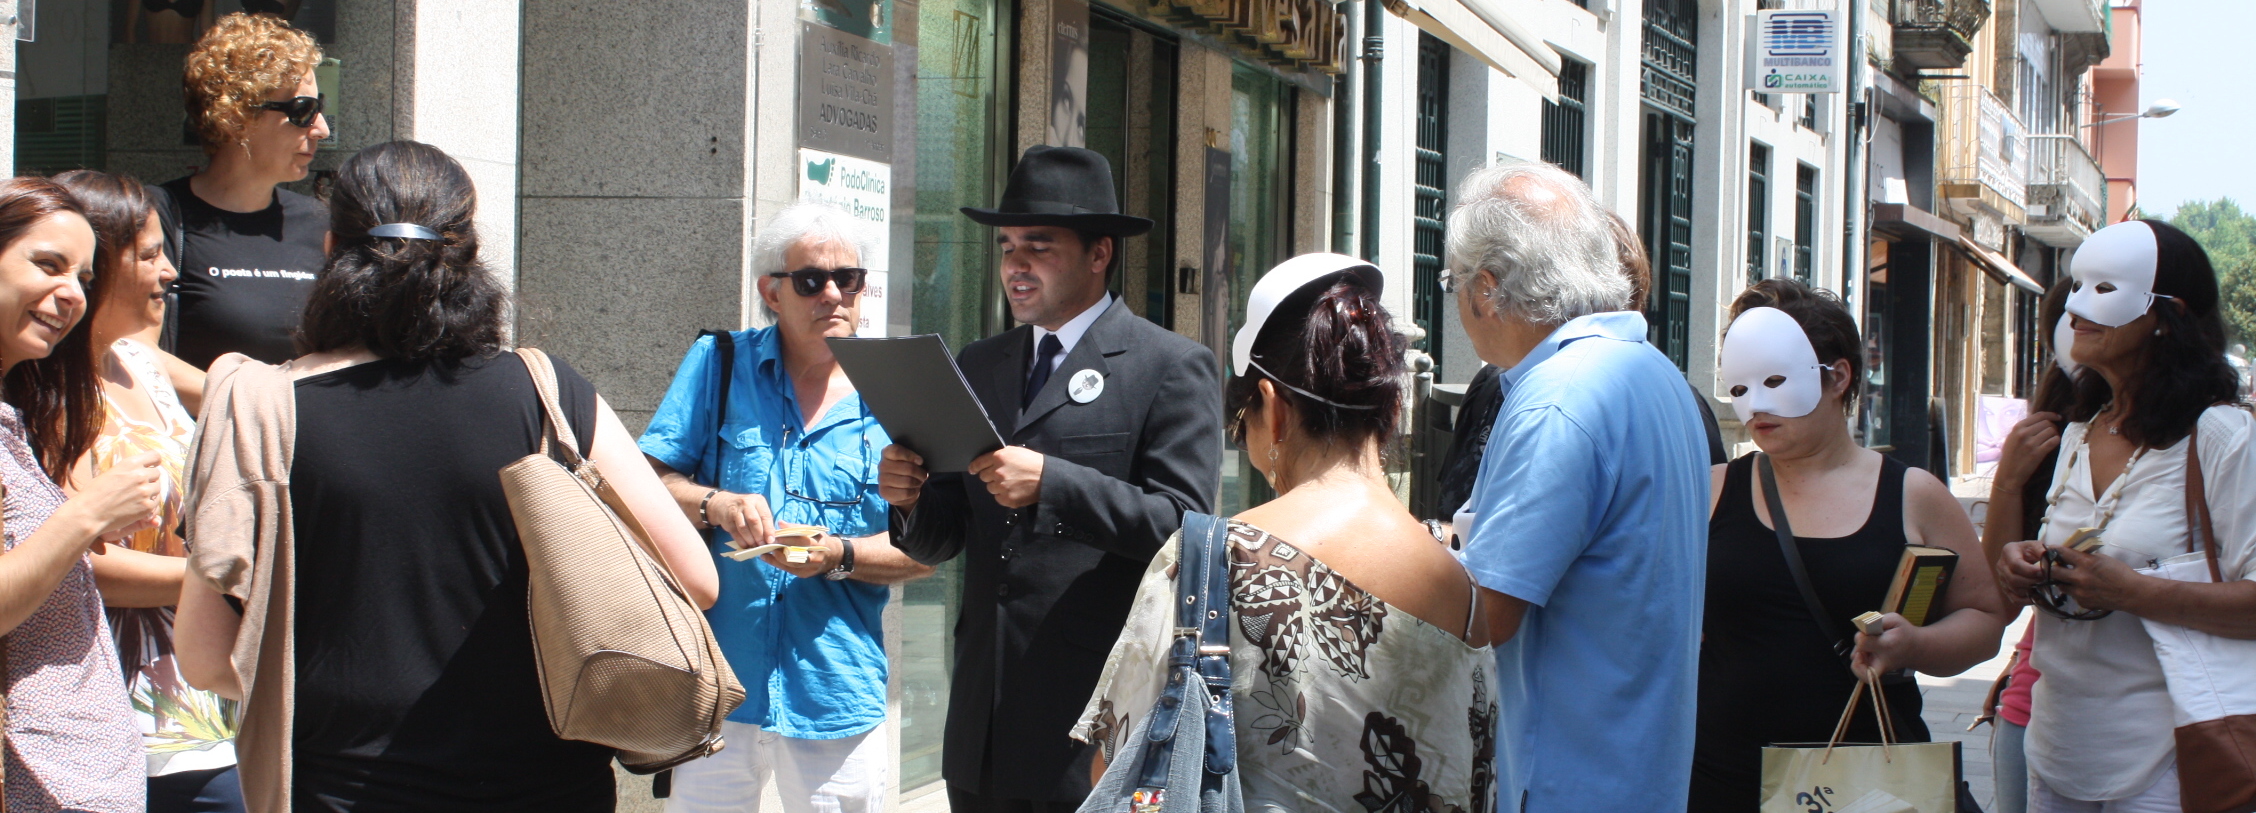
(1834, 777)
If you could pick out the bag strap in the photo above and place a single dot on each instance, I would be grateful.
(1793, 552)
(2201, 534)
(544, 383)
(724, 360)
(1202, 628)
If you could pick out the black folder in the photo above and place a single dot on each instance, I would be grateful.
(913, 387)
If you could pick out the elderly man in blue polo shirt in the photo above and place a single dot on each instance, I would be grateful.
(1589, 528)
(794, 446)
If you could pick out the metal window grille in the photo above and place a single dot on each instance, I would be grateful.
(1805, 220)
(1430, 186)
(1667, 82)
(1758, 211)
(1566, 121)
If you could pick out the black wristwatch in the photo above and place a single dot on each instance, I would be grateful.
(845, 561)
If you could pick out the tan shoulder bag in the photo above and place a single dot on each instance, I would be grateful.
(626, 659)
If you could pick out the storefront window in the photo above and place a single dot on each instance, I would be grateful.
(953, 295)
(1132, 124)
(1260, 203)
(1872, 419)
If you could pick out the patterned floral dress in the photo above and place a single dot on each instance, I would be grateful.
(71, 744)
(1343, 702)
(182, 729)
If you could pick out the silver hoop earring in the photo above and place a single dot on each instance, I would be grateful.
(1272, 455)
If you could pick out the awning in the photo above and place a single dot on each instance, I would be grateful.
(1481, 28)
(1998, 267)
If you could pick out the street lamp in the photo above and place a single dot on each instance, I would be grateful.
(2161, 109)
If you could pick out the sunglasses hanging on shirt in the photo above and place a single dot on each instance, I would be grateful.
(301, 110)
(809, 281)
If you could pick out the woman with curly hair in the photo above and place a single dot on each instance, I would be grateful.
(247, 251)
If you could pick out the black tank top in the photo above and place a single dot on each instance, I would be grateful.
(1769, 675)
(416, 688)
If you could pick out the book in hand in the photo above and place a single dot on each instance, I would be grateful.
(1916, 592)
(794, 554)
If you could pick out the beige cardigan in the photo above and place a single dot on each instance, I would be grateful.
(239, 540)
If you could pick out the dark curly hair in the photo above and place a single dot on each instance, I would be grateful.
(1832, 331)
(2055, 393)
(420, 300)
(2181, 372)
(60, 396)
(1339, 344)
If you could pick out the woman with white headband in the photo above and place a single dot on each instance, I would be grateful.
(1772, 667)
(2156, 383)
(1359, 659)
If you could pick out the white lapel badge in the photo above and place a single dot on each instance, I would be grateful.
(1085, 386)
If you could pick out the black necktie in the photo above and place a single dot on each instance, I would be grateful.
(1040, 375)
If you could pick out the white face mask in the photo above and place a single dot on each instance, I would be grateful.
(2114, 274)
(1770, 367)
(2063, 338)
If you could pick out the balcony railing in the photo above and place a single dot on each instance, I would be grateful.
(1936, 33)
(1985, 151)
(2067, 197)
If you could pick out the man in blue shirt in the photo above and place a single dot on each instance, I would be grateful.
(794, 447)
(1589, 529)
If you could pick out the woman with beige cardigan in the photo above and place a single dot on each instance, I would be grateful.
(356, 575)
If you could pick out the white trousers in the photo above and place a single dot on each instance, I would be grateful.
(2161, 797)
(849, 775)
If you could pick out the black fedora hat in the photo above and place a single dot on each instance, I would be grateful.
(1061, 186)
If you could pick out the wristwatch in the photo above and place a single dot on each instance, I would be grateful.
(845, 561)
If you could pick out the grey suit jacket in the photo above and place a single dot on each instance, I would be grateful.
(1046, 589)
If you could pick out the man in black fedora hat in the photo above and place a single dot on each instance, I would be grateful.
(1115, 429)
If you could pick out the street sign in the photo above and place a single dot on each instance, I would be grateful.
(1797, 52)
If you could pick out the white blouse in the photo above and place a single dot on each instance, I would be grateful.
(2100, 718)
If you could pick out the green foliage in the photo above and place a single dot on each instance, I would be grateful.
(2229, 235)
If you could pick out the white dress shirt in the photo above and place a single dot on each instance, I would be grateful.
(1070, 333)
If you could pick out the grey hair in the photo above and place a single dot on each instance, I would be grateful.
(1543, 236)
(802, 221)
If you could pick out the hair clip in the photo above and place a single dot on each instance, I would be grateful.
(405, 231)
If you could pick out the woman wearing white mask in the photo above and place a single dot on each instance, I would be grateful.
(2148, 334)
(1771, 670)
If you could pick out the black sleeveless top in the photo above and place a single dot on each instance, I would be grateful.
(416, 688)
(1767, 674)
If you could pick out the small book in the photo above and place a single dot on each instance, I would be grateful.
(1916, 592)
(791, 553)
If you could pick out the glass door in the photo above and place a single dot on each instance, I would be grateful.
(1260, 229)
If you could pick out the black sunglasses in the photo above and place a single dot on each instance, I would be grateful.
(2048, 596)
(300, 110)
(809, 281)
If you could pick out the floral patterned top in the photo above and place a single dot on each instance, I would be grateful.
(71, 744)
(1343, 702)
(183, 729)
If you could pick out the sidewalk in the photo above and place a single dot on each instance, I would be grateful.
(1953, 703)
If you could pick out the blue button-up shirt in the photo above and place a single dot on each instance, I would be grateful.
(1592, 506)
(810, 652)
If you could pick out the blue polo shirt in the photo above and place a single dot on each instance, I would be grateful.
(1592, 506)
(810, 652)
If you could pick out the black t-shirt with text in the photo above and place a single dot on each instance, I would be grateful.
(244, 276)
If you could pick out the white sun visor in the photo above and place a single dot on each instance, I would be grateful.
(1283, 281)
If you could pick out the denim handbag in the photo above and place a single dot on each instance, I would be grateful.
(1183, 757)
